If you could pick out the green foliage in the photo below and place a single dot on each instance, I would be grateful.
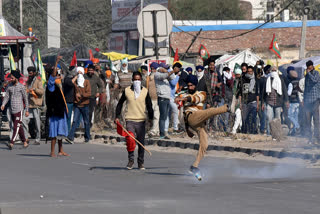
(296, 9)
(206, 10)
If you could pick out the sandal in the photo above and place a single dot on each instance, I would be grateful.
(10, 146)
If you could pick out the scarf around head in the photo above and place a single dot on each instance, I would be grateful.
(200, 75)
(51, 83)
(252, 79)
(80, 80)
(276, 83)
(227, 76)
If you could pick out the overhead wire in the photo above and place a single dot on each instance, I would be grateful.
(241, 34)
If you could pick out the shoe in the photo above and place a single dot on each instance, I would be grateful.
(130, 164)
(37, 143)
(141, 166)
(69, 141)
(164, 138)
(10, 146)
(152, 135)
(87, 141)
(194, 170)
(179, 131)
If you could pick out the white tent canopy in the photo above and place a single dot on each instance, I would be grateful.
(228, 60)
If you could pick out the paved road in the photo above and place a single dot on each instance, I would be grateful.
(93, 180)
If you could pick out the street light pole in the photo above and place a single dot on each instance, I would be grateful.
(0, 7)
(21, 15)
(303, 37)
(141, 36)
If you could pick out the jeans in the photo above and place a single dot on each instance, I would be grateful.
(293, 114)
(84, 112)
(70, 109)
(139, 131)
(175, 115)
(272, 113)
(35, 114)
(262, 120)
(312, 111)
(250, 120)
(164, 105)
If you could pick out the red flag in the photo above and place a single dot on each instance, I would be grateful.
(91, 55)
(176, 56)
(74, 60)
(131, 143)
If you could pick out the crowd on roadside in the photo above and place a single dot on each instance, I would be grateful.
(256, 95)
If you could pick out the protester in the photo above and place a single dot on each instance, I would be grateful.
(96, 89)
(162, 78)
(311, 101)
(81, 108)
(151, 86)
(249, 101)
(293, 89)
(274, 95)
(56, 111)
(227, 89)
(235, 106)
(68, 90)
(17, 95)
(195, 117)
(173, 108)
(138, 102)
(35, 93)
(244, 68)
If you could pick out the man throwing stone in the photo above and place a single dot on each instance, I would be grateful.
(195, 117)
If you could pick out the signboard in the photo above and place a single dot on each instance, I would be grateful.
(125, 13)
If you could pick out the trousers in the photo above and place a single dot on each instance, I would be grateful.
(196, 121)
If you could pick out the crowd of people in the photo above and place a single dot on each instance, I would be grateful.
(245, 99)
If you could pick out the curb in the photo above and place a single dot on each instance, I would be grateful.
(110, 139)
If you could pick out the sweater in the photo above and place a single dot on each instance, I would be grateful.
(35, 101)
(195, 101)
(136, 108)
(82, 95)
(163, 85)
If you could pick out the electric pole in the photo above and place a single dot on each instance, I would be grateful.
(0, 7)
(141, 36)
(306, 11)
(21, 15)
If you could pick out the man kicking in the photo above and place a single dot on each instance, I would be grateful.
(138, 102)
(195, 118)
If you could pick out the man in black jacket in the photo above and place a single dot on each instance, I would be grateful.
(249, 101)
(68, 90)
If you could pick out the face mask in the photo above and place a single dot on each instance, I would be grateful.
(136, 88)
(200, 74)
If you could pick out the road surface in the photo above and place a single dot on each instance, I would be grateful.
(94, 180)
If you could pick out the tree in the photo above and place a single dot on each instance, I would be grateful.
(206, 10)
(296, 9)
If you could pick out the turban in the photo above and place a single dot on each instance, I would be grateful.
(189, 69)
(267, 68)
(164, 65)
(192, 79)
(199, 67)
(95, 61)
(16, 74)
(81, 69)
(177, 64)
(290, 68)
(154, 65)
